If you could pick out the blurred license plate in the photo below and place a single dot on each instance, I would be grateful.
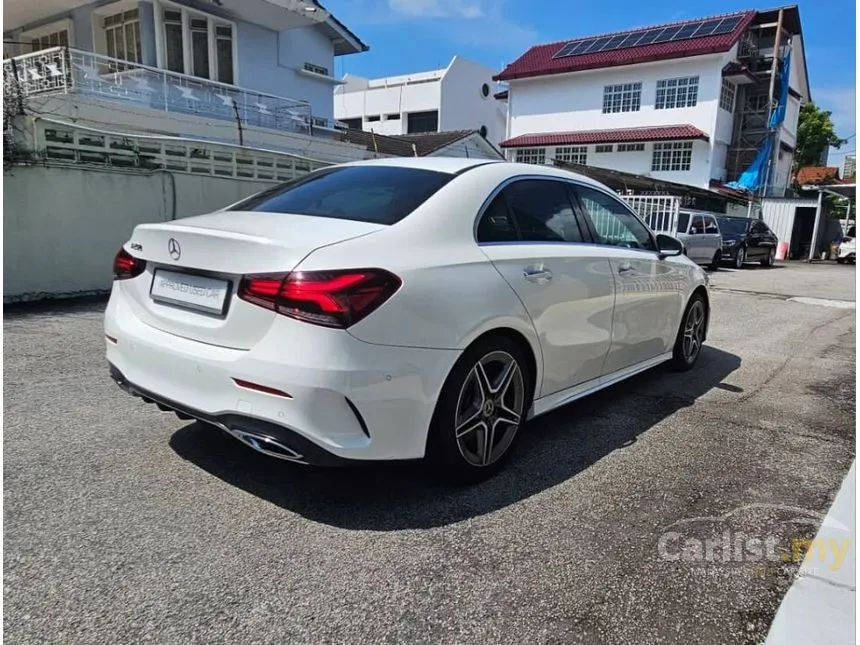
(190, 291)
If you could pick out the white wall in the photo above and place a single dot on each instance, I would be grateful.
(567, 102)
(62, 241)
(463, 105)
(454, 91)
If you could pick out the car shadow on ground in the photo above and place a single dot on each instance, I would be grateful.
(387, 497)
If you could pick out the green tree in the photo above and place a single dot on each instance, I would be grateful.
(815, 134)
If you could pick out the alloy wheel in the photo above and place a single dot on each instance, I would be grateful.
(694, 327)
(489, 408)
(739, 258)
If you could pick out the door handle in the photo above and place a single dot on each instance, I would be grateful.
(540, 276)
(625, 268)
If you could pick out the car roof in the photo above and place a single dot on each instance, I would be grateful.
(454, 165)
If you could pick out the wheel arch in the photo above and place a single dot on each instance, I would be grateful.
(703, 291)
(520, 339)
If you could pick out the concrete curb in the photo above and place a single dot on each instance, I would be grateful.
(819, 608)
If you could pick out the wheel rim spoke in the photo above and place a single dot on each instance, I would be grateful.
(490, 408)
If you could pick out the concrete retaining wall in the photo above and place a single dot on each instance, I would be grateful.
(63, 226)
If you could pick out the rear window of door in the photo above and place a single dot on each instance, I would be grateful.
(711, 227)
(542, 211)
(698, 227)
(613, 223)
(683, 222)
(375, 194)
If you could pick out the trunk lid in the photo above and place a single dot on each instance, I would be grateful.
(194, 267)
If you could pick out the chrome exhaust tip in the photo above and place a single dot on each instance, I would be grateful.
(267, 445)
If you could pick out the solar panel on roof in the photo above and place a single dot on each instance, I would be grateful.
(707, 28)
(688, 31)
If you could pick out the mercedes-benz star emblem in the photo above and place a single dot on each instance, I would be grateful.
(174, 249)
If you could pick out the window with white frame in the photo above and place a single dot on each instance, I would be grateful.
(672, 156)
(727, 96)
(631, 147)
(603, 148)
(625, 97)
(677, 93)
(531, 155)
(122, 36)
(197, 44)
(572, 154)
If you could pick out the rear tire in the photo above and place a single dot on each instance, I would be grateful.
(715, 261)
(770, 259)
(481, 410)
(691, 334)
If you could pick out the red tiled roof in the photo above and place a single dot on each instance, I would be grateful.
(623, 135)
(811, 175)
(539, 61)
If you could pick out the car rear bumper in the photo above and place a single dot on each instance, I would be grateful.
(339, 398)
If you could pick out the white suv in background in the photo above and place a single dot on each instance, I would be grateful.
(847, 247)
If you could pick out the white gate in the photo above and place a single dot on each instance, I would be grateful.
(660, 212)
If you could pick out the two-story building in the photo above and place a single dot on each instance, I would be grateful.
(253, 72)
(687, 102)
(460, 96)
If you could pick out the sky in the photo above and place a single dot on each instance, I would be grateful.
(408, 36)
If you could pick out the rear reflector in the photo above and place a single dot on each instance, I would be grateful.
(127, 266)
(248, 385)
(329, 298)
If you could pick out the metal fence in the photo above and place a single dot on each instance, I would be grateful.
(660, 212)
(64, 70)
(60, 142)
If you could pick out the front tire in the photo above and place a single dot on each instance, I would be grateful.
(480, 411)
(691, 334)
(740, 257)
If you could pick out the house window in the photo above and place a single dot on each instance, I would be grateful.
(418, 122)
(54, 39)
(626, 97)
(122, 36)
(55, 34)
(677, 93)
(603, 148)
(208, 43)
(631, 147)
(316, 69)
(672, 156)
(727, 96)
(573, 154)
(531, 155)
(392, 117)
(373, 118)
(352, 124)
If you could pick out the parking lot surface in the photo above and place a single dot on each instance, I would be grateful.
(124, 524)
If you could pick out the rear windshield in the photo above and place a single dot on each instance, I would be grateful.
(376, 194)
(733, 225)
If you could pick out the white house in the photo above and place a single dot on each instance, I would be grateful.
(458, 97)
(257, 73)
(686, 102)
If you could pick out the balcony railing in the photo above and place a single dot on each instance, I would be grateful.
(65, 70)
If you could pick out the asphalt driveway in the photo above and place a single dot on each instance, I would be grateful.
(124, 524)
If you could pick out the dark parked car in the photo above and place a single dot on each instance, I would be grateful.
(747, 240)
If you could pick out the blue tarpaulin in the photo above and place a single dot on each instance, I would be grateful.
(753, 177)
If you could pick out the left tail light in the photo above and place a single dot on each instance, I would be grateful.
(127, 266)
(328, 298)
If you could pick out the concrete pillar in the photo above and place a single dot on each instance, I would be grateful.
(819, 213)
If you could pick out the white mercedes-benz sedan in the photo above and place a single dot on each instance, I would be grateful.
(399, 309)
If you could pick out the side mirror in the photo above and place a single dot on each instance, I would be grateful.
(669, 246)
